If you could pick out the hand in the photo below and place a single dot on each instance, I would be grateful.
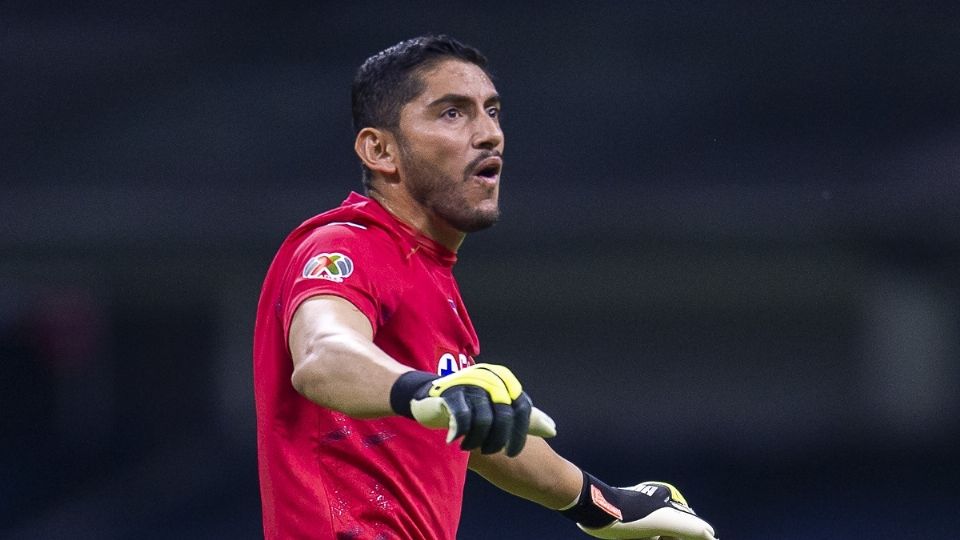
(483, 403)
(649, 510)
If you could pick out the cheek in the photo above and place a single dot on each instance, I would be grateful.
(443, 147)
(449, 156)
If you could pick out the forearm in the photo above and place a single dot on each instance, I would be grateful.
(538, 474)
(336, 363)
(347, 375)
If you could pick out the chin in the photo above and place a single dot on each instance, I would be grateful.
(488, 207)
(477, 220)
(484, 219)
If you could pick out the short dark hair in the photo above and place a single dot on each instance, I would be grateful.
(390, 79)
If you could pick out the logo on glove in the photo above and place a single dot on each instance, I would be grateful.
(602, 503)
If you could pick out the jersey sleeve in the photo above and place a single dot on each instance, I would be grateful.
(344, 260)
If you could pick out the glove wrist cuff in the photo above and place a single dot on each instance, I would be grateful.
(597, 505)
(405, 388)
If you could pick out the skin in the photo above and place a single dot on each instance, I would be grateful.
(423, 170)
(425, 174)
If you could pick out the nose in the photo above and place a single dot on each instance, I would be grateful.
(488, 133)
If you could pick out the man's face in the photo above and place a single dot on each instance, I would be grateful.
(450, 145)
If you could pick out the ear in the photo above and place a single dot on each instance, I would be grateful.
(377, 149)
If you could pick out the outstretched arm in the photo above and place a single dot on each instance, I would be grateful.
(538, 474)
(648, 511)
(337, 365)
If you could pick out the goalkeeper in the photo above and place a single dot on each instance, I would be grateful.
(370, 405)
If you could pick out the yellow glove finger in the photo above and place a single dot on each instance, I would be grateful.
(497, 381)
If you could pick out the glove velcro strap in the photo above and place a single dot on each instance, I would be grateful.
(597, 506)
(404, 390)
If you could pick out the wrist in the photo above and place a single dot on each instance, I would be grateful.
(573, 503)
(597, 505)
(405, 388)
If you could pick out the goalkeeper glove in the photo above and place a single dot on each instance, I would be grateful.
(483, 403)
(647, 510)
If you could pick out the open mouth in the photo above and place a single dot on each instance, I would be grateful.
(489, 169)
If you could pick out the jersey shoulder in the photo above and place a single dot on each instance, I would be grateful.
(355, 241)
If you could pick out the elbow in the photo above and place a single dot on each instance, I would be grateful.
(300, 379)
(310, 375)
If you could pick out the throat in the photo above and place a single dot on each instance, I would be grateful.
(420, 219)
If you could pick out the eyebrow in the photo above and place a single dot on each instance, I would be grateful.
(459, 99)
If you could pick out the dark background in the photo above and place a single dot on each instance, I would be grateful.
(728, 257)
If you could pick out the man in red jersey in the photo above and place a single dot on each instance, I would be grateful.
(363, 346)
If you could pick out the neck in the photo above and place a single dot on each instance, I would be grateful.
(422, 219)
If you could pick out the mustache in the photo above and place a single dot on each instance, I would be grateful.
(468, 170)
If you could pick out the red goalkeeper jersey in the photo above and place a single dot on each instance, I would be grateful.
(323, 474)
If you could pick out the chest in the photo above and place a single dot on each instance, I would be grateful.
(429, 326)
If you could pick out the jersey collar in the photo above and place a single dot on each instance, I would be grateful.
(418, 240)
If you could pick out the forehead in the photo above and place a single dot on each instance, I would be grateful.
(455, 77)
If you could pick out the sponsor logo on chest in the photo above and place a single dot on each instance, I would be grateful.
(449, 363)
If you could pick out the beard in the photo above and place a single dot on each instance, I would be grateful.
(446, 195)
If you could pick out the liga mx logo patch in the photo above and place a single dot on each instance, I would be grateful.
(329, 266)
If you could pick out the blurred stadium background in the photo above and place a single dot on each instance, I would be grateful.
(729, 254)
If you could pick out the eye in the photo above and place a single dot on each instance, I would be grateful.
(452, 113)
(494, 112)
